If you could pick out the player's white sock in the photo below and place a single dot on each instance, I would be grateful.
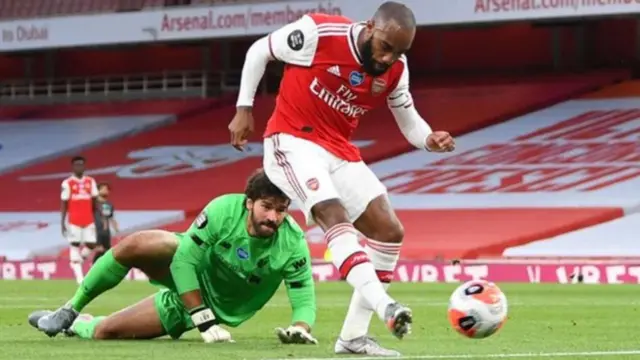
(354, 266)
(75, 262)
(384, 257)
(85, 252)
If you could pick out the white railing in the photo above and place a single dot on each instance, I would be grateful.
(167, 85)
(139, 86)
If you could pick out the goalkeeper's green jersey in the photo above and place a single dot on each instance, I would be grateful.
(238, 274)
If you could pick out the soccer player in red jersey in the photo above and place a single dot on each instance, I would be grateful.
(335, 72)
(79, 193)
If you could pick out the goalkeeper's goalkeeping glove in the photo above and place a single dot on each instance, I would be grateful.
(295, 334)
(210, 331)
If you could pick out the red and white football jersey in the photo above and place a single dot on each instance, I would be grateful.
(79, 193)
(324, 90)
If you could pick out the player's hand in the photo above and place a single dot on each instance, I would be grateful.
(295, 334)
(440, 141)
(216, 334)
(205, 321)
(241, 127)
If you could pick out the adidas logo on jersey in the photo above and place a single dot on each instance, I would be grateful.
(335, 70)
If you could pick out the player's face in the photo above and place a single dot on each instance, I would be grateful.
(104, 192)
(78, 168)
(384, 46)
(267, 215)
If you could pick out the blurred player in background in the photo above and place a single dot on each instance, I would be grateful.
(105, 221)
(222, 270)
(336, 71)
(79, 203)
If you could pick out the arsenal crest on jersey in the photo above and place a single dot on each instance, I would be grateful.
(378, 86)
(313, 184)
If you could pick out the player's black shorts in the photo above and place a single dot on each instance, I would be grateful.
(104, 240)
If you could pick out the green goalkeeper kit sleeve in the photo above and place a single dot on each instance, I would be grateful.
(298, 278)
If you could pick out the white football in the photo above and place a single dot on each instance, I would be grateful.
(477, 309)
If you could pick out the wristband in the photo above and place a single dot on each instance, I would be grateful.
(203, 318)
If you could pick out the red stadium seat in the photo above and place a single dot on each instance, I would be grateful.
(192, 162)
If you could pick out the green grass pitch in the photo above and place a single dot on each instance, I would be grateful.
(545, 322)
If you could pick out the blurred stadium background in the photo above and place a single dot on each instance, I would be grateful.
(542, 96)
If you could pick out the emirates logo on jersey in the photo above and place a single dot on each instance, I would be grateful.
(81, 196)
(339, 103)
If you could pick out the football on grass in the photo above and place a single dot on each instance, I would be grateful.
(477, 309)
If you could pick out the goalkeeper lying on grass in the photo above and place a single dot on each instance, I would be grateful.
(221, 271)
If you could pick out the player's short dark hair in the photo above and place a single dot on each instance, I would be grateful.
(78, 158)
(398, 12)
(104, 184)
(260, 187)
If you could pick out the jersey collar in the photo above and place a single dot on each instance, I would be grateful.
(354, 32)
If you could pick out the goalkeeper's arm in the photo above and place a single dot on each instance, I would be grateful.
(298, 279)
(184, 270)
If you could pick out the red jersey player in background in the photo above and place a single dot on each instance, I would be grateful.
(79, 193)
(336, 71)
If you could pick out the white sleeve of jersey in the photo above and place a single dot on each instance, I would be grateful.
(94, 188)
(255, 64)
(66, 191)
(295, 43)
(414, 128)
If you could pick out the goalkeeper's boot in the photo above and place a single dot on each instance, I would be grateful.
(363, 345)
(398, 319)
(57, 321)
(36, 315)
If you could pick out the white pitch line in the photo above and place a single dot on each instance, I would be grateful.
(21, 302)
(491, 356)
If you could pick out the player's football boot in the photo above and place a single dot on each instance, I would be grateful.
(36, 315)
(363, 345)
(58, 321)
(398, 319)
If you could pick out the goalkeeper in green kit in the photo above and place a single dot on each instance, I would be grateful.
(221, 271)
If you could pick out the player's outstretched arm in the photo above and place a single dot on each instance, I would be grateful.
(414, 128)
(184, 270)
(298, 278)
(94, 197)
(65, 195)
(295, 44)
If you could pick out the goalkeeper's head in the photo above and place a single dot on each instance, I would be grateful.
(266, 203)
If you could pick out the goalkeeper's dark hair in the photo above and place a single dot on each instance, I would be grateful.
(260, 187)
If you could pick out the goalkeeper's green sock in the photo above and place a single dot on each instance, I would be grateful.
(105, 274)
(85, 328)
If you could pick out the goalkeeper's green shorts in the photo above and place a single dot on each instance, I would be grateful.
(174, 317)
